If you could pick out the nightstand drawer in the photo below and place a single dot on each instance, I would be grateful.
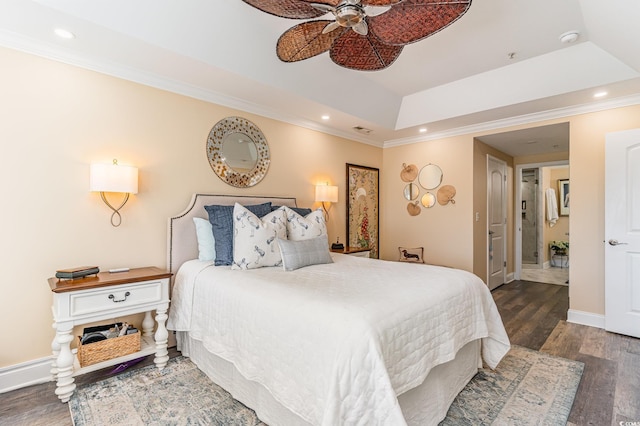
(110, 298)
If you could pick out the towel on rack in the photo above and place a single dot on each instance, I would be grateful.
(552, 207)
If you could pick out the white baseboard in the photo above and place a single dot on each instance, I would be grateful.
(511, 277)
(585, 318)
(25, 374)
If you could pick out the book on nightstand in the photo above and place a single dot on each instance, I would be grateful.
(79, 272)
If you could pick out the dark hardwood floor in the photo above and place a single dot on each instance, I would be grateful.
(534, 315)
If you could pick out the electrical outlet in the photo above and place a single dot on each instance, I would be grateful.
(477, 216)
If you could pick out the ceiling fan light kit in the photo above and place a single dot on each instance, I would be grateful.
(365, 35)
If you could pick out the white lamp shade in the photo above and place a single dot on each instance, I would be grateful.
(327, 193)
(113, 178)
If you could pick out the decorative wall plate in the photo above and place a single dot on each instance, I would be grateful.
(413, 209)
(409, 172)
(446, 194)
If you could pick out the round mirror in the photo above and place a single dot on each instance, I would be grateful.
(238, 152)
(430, 176)
(411, 191)
(428, 200)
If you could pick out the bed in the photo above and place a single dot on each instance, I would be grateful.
(353, 341)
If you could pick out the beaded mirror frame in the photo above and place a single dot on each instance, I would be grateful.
(215, 152)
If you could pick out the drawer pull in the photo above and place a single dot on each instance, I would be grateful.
(113, 298)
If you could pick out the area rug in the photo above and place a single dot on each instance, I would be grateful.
(527, 388)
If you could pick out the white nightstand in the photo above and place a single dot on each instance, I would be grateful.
(105, 297)
(354, 251)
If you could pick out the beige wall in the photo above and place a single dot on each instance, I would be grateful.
(586, 221)
(454, 224)
(445, 232)
(57, 119)
(541, 158)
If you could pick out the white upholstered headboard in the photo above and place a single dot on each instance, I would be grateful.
(181, 236)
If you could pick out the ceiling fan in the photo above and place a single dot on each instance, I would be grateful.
(365, 35)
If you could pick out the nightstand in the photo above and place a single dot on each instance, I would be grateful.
(107, 296)
(354, 251)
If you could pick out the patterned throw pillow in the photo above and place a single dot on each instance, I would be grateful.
(411, 254)
(304, 228)
(221, 218)
(254, 239)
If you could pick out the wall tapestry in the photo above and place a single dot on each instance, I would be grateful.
(363, 208)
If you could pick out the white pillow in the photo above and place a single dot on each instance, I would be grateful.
(303, 228)
(296, 254)
(206, 242)
(254, 239)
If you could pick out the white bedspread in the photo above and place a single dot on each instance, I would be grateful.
(336, 343)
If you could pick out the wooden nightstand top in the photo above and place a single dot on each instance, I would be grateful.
(105, 279)
(351, 250)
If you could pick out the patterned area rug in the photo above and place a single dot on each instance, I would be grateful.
(527, 388)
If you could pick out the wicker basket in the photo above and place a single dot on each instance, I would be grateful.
(93, 353)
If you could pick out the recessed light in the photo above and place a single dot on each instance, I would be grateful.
(422, 130)
(62, 33)
(325, 117)
(600, 94)
(569, 36)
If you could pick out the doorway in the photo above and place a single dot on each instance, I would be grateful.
(534, 231)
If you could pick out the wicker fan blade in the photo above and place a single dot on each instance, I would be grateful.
(293, 9)
(306, 40)
(380, 2)
(363, 53)
(413, 20)
(331, 3)
(326, 8)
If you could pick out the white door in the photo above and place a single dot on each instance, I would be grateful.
(622, 233)
(496, 221)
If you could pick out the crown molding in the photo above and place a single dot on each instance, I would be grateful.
(56, 53)
(53, 52)
(620, 102)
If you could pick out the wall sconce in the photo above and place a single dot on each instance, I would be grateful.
(326, 194)
(114, 178)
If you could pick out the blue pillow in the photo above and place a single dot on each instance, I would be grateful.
(302, 211)
(221, 218)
